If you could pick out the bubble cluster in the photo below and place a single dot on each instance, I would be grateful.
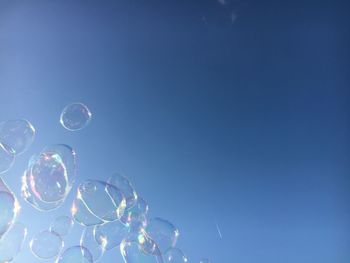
(75, 116)
(49, 177)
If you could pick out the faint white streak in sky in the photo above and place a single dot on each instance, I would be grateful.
(219, 231)
(223, 2)
(233, 17)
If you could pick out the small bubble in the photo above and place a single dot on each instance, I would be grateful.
(75, 116)
(46, 244)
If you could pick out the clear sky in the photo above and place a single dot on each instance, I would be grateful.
(222, 113)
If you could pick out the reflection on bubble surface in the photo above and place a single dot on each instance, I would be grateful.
(110, 235)
(46, 244)
(124, 185)
(132, 253)
(8, 211)
(75, 116)
(7, 158)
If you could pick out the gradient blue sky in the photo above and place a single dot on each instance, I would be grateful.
(243, 122)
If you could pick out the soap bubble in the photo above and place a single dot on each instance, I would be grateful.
(111, 234)
(174, 255)
(75, 116)
(88, 241)
(124, 185)
(46, 244)
(163, 233)
(9, 208)
(11, 243)
(205, 260)
(133, 253)
(82, 215)
(18, 135)
(103, 200)
(135, 217)
(76, 254)
(62, 225)
(48, 178)
(7, 158)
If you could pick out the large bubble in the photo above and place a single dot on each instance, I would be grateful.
(76, 254)
(88, 241)
(7, 158)
(174, 255)
(133, 253)
(163, 233)
(46, 244)
(103, 200)
(18, 135)
(75, 116)
(62, 225)
(11, 243)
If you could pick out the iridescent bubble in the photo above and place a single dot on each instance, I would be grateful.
(163, 233)
(88, 241)
(7, 158)
(75, 116)
(174, 255)
(205, 260)
(111, 234)
(8, 211)
(62, 225)
(82, 215)
(48, 178)
(76, 254)
(46, 244)
(124, 185)
(18, 135)
(31, 198)
(11, 243)
(132, 253)
(135, 217)
(103, 200)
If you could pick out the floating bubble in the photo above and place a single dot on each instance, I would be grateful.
(103, 200)
(76, 254)
(174, 255)
(163, 233)
(111, 234)
(11, 243)
(18, 135)
(62, 225)
(75, 116)
(205, 260)
(133, 253)
(124, 185)
(46, 245)
(7, 158)
(88, 241)
(82, 215)
(9, 208)
(31, 198)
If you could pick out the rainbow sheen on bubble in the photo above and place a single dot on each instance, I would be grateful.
(62, 225)
(75, 116)
(76, 254)
(11, 243)
(46, 244)
(174, 255)
(18, 135)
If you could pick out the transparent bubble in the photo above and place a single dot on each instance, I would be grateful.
(31, 198)
(8, 211)
(205, 260)
(174, 255)
(124, 185)
(110, 235)
(48, 178)
(7, 158)
(11, 243)
(82, 215)
(17, 134)
(132, 253)
(103, 200)
(62, 225)
(135, 217)
(46, 245)
(75, 116)
(164, 233)
(88, 241)
(76, 254)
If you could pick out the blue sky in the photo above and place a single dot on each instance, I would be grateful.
(233, 113)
